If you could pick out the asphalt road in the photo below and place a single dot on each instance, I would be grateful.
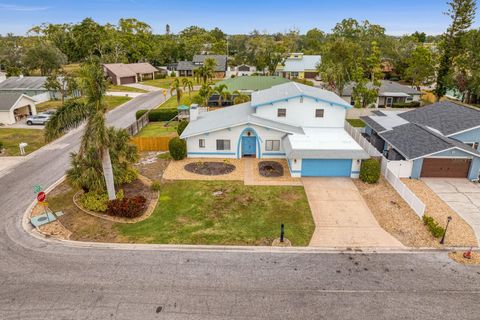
(46, 280)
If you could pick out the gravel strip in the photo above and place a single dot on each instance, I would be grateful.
(459, 233)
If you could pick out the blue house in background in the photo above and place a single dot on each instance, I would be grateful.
(440, 140)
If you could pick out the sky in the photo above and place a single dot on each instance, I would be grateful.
(232, 16)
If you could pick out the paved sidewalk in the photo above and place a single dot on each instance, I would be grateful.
(124, 94)
(143, 86)
(341, 216)
(462, 196)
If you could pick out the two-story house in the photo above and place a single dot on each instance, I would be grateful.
(301, 123)
(300, 66)
(438, 140)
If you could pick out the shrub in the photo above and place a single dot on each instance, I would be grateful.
(130, 176)
(181, 126)
(97, 202)
(1, 146)
(156, 186)
(158, 114)
(370, 171)
(436, 230)
(412, 104)
(140, 113)
(127, 207)
(177, 148)
(173, 74)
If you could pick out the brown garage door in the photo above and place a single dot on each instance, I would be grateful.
(127, 80)
(310, 75)
(445, 168)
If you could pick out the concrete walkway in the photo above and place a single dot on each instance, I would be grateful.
(143, 86)
(342, 218)
(462, 196)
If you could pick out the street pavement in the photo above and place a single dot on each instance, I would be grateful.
(49, 280)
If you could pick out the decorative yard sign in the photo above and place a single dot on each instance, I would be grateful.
(41, 196)
(37, 188)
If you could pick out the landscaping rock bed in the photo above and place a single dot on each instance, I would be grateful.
(210, 168)
(270, 169)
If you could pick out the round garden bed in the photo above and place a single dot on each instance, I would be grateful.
(270, 169)
(210, 168)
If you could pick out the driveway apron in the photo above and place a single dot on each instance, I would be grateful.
(342, 218)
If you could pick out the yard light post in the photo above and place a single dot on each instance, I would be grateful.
(282, 232)
(445, 232)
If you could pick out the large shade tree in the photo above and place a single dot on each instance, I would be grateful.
(91, 109)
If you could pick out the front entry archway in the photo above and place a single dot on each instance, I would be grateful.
(248, 144)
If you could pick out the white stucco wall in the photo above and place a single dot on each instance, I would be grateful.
(233, 134)
(303, 114)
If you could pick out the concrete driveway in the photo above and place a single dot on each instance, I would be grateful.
(462, 196)
(342, 218)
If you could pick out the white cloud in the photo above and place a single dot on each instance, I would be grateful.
(13, 7)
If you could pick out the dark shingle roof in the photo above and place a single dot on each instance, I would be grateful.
(446, 116)
(23, 83)
(372, 124)
(220, 59)
(414, 141)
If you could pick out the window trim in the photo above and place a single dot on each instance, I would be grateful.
(316, 113)
(283, 110)
(272, 145)
(223, 144)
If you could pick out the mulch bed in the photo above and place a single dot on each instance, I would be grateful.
(270, 169)
(210, 168)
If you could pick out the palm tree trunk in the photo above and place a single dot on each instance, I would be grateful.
(108, 173)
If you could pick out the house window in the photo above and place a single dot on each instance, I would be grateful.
(319, 113)
(281, 113)
(294, 74)
(272, 145)
(474, 145)
(201, 143)
(223, 144)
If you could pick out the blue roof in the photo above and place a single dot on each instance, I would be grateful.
(183, 107)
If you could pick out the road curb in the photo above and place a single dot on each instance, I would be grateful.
(217, 248)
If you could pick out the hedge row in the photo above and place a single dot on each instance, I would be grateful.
(158, 114)
(436, 230)
(412, 104)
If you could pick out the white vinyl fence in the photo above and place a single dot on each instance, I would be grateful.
(357, 136)
(410, 198)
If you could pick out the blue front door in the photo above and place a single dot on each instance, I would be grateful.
(249, 146)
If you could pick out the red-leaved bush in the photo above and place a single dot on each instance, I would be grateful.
(127, 207)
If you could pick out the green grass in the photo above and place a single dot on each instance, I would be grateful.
(185, 99)
(165, 83)
(356, 123)
(188, 213)
(113, 88)
(52, 104)
(158, 129)
(12, 137)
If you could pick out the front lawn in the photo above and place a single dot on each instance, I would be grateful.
(112, 101)
(52, 104)
(12, 137)
(185, 99)
(188, 212)
(113, 88)
(158, 129)
(358, 123)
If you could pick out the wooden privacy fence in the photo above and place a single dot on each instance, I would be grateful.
(151, 143)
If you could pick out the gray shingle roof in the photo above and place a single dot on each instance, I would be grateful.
(230, 117)
(385, 86)
(7, 100)
(220, 59)
(23, 83)
(446, 116)
(372, 124)
(415, 141)
(186, 65)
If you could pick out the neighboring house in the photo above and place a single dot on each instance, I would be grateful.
(186, 68)
(299, 65)
(16, 106)
(241, 70)
(303, 124)
(3, 76)
(438, 140)
(31, 86)
(121, 73)
(247, 85)
(389, 93)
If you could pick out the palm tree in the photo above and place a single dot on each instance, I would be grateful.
(205, 93)
(91, 109)
(176, 88)
(206, 71)
(222, 92)
(187, 84)
(240, 97)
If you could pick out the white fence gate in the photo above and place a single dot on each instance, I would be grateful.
(401, 168)
(410, 198)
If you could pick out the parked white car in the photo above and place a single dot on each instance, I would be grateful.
(38, 119)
